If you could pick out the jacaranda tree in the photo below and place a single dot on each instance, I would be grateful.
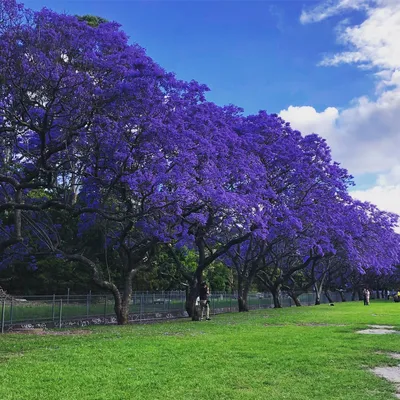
(105, 158)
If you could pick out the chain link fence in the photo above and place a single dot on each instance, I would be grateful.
(59, 311)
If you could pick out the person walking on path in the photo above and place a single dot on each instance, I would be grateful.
(204, 302)
(366, 295)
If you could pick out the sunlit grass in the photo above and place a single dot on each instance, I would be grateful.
(290, 353)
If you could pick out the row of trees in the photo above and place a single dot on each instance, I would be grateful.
(109, 162)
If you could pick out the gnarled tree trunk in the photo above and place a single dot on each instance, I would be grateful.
(317, 294)
(243, 292)
(328, 296)
(121, 300)
(294, 297)
(276, 297)
(194, 290)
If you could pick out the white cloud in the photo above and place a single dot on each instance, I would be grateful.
(385, 194)
(365, 137)
(385, 197)
(390, 178)
(331, 8)
(307, 120)
(375, 42)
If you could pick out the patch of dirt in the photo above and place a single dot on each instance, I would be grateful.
(378, 331)
(392, 374)
(381, 326)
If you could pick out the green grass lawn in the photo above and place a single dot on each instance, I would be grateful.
(290, 353)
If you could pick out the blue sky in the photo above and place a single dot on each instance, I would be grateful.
(328, 66)
(255, 54)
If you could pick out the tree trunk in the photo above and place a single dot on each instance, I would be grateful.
(243, 304)
(194, 290)
(275, 295)
(328, 296)
(122, 312)
(121, 304)
(318, 286)
(242, 295)
(188, 303)
(294, 297)
(318, 291)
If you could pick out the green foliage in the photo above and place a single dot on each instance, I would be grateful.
(220, 277)
(92, 20)
(38, 194)
(52, 276)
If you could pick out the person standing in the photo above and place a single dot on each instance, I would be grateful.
(366, 294)
(204, 302)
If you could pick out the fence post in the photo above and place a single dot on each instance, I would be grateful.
(11, 310)
(60, 317)
(141, 306)
(3, 313)
(105, 308)
(67, 295)
(87, 306)
(53, 311)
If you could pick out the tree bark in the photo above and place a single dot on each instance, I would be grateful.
(294, 297)
(243, 304)
(188, 308)
(275, 295)
(122, 309)
(121, 302)
(317, 294)
(318, 286)
(243, 291)
(194, 290)
(328, 296)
